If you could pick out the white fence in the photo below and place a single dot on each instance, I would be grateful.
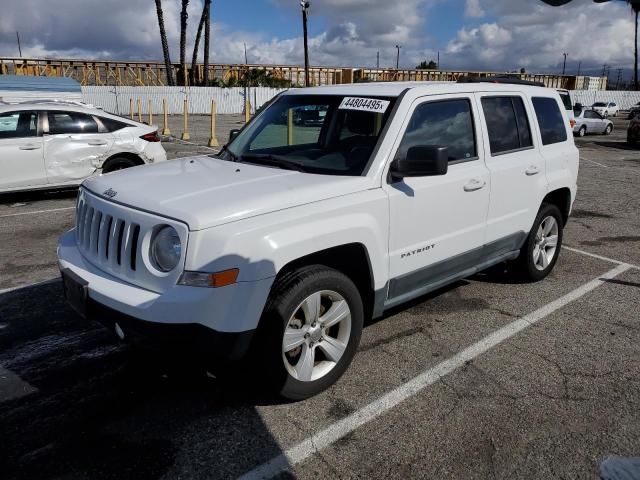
(228, 100)
(624, 99)
(231, 100)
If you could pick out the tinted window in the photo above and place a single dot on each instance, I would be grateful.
(448, 124)
(71, 122)
(18, 124)
(550, 119)
(113, 125)
(591, 114)
(566, 100)
(507, 124)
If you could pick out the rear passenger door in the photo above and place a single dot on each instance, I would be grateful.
(517, 168)
(73, 146)
(437, 223)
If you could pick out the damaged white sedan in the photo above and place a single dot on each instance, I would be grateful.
(50, 144)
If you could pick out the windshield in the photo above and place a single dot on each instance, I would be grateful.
(599, 104)
(326, 134)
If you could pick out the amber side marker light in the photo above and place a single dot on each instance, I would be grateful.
(214, 280)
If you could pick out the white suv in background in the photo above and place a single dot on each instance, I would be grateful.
(606, 109)
(58, 144)
(284, 243)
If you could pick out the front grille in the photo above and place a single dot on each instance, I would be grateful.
(107, 239)
(115, 239)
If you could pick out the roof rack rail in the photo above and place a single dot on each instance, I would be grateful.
(38, 101)
(499, 79)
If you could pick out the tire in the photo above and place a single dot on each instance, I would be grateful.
(533, 265)
(118, 163)
(290, 308)
(582, 132)
(608, 130)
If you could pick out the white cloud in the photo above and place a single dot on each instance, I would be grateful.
(473, 9)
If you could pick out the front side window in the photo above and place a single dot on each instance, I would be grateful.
(447, 123)
(507, 124)
(71, 123)
(325, 134)
(18, 124)
(550, 119)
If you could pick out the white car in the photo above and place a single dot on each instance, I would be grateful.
(58, 144)
(282, 245)
(606, 109)
(590, 121)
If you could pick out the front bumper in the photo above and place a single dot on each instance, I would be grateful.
(231, 310)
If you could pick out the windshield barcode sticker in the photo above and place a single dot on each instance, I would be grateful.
(364, 104)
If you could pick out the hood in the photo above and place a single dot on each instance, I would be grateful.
(204, 192)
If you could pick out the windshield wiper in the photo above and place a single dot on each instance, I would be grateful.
(273, 160)
(225, 149)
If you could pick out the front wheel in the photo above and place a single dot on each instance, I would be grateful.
(310, 331)
(582, 132)
(540, 251)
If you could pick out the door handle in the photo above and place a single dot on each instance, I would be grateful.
(474, 184)
(29, 146)
(532, 170)
(97, 143)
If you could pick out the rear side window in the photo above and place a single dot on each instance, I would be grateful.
(507, 124)
(566, 100)
(550, 119)
(18, 124)
(447, 123)
(71, 123)
(113, 125)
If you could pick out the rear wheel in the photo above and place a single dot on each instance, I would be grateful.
(118, 163)
(608, 130)
(309, 332)
(540, 252)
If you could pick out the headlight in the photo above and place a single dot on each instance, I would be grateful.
(165, 249)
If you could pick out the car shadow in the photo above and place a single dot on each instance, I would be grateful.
(618, 145)
(38, 196)
(77, 404)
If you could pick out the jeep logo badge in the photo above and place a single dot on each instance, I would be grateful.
(110, 193)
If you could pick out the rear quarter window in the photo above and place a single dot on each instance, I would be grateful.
(550, 119)
(113, 125)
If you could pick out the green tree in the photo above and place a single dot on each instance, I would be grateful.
(431, 65)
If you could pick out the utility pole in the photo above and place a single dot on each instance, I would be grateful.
(619, 78)
(378, 60)
(604, 69)
(19, 47)
(398, 47)
(438, 59)
(579, 65)
(564, 64)
(305, 10)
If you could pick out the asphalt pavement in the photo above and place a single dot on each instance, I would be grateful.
(484, 379)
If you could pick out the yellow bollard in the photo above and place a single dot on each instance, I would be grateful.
(247, 111)
(140, 110)
(185, 132)
(150, 113)
(165, 130)
(131, 108)
(290, 127)
(213, 141)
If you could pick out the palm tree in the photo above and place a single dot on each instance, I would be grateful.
(165, 45)
(194, 58)
(207, 29)
(635, 6)
(184, 16)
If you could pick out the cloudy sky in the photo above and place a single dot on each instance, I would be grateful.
(470, 34)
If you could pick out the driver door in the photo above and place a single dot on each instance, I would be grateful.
(438, 223)
(21, 158)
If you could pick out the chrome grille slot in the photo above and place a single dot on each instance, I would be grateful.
(111, 237)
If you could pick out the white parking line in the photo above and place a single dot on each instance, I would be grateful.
(338, 430)
(592, 161)
(37, 284)
(599, 257)
(36, 212)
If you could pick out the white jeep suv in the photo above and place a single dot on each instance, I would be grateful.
(51, 144)
(282, 245)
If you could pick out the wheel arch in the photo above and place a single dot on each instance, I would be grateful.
(561, 198)
(351, 259)
(128, 155)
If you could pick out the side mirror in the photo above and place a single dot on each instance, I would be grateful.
(422, 161)
(233, 134)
